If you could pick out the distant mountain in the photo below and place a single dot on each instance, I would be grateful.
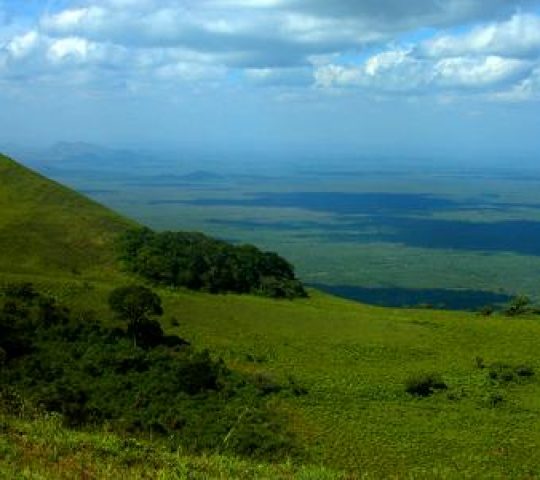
(81, 156)
(45, 226)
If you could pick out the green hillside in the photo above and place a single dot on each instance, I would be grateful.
(46, 227)
(354, 361)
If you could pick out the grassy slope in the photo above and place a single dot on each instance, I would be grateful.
(45, 227)
(353, 359)
(43, 449)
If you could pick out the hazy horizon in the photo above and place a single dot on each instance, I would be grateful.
(458, 79)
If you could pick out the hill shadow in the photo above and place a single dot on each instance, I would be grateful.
(441, 298)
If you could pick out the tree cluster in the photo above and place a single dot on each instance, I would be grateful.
(198, 262)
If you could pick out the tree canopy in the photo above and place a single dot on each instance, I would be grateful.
(199, 262)
(137, 305)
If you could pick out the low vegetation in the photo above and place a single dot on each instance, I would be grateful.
(424, 385)
(39, 446)
(94, 375)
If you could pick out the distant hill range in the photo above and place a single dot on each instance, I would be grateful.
(79, 156)
(64, 158)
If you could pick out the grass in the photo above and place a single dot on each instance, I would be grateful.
(354, 361)
(43, 449)
(47, 227)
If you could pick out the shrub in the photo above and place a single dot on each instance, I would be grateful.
(479, 361)
(296, 389)
(518, 306)
(494, 399)
(501, 372)
(487, 311)
(424, 385)
(266, 384)
(21, 291)
(524, 371)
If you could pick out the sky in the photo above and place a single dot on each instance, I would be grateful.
(329, 77)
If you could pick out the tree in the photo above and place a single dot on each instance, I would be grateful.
(136, 305)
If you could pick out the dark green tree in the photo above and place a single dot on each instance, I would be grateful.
(137, 305)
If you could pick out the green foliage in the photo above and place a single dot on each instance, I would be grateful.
(94, 375)
(518, 306)
(137, 305)
(198, 262)
(424, 385)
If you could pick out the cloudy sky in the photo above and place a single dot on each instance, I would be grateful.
(376, 76)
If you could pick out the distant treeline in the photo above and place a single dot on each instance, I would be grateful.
(198, 262)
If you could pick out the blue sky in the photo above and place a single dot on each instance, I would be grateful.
(459, 77)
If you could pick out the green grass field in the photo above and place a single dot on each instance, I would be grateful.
(354, 361)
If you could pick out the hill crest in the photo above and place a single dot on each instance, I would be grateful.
(45, 226)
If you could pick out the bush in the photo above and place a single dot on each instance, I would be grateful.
(21, 291)
(503, 372)
(524, 371)
(518, 306)
(487, 311)
(424, 385)
(494, 399)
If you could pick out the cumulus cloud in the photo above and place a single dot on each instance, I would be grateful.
(399, 71)
(473, 72)
(285, 30)
(500, 60)
(292, 43)
(517, 37)
(22, 45)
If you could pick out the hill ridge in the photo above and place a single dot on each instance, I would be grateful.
(45, 225)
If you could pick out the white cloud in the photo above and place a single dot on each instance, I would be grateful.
(68, 48)
(401, 71)
(471, 72)
(22, 45)
(293, 43)
(517, 37)
(490, 59)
